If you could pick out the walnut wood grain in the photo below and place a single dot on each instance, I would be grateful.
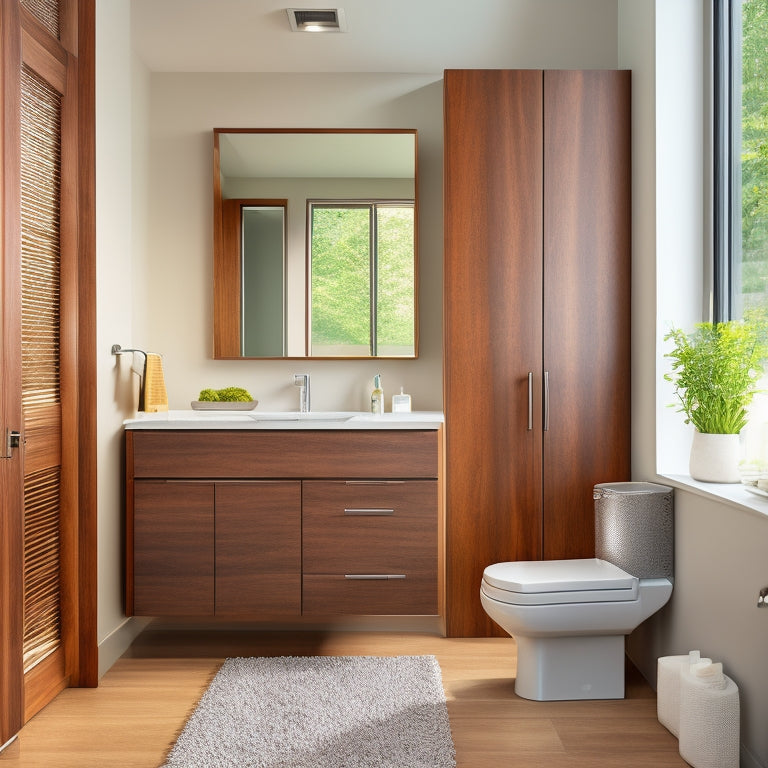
(173, 549)
(258, 549)
(329, 595)
(285, 454)
(493, 327)
(227, 273)
(391, 528)
(536, 280)
(587, 299)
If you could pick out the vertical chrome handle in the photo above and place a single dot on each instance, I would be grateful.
(530, 401)
(546, 400)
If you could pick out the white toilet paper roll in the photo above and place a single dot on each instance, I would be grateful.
(709, 718)
(668, 688)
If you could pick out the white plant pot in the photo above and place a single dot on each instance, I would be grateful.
(715, 458)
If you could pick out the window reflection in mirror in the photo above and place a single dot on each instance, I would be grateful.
(362, 281)
(256, 315)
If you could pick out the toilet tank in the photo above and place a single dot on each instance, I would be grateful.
(634, 527)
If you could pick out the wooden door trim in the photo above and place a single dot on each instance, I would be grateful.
(86, 672)
(11, 487)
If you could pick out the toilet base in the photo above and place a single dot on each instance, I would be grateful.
(570, 668)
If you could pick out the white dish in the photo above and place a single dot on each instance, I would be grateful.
(757, 491)
(213, 405)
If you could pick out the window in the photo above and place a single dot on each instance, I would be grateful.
(741, 158)
(362, 281)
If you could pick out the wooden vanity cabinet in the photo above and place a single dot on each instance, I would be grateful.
(257, 524)
(370, 547)
(216, 548)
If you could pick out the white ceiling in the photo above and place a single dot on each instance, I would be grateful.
(414, 36)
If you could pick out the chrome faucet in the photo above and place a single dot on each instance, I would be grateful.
(302, 380)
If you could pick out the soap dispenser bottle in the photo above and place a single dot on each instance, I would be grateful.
(377, 396)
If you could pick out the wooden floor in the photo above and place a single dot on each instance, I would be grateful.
(141, 704)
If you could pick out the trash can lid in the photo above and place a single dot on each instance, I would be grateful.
(632, 487)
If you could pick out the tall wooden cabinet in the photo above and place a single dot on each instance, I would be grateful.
(537, 317)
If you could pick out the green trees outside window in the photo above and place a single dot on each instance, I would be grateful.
(362, 281)
(754, 154)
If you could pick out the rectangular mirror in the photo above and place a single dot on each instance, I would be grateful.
(315, 243)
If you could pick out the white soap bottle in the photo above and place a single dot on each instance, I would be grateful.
(401, 403)
(377, 396)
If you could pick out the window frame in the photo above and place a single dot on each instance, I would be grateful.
(372, 205)
(726, 167)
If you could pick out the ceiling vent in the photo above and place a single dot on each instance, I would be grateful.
(317, 19)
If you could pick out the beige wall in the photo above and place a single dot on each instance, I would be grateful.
(118, 163)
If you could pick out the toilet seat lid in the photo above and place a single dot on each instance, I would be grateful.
(536, 576)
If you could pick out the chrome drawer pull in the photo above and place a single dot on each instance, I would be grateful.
(373, 576)
(374, 482)
(369, 512)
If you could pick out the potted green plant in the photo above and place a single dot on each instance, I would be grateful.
(715, 371)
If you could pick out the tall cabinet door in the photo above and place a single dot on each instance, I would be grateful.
(586, 300)
(493, 329)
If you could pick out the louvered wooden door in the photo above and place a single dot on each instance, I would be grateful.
(45, 490)
(46, 583)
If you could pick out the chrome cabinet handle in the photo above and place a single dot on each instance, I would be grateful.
(374, 482)
(373, 576)
(369, 512)
(530, 401)
(546, 400)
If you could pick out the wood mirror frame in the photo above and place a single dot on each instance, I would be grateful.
(227, 271)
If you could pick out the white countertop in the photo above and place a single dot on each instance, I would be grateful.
(284, 420)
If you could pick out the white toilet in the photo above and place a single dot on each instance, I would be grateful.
(569, 617)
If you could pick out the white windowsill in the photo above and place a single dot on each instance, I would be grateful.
(732, 494)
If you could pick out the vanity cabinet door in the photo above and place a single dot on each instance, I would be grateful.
(258, 549)
(370, 547)
(173, 529)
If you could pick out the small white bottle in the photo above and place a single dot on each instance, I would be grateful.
(401, 403)
(377, 396)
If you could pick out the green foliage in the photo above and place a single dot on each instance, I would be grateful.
(226, 395)
(341, 276)
(754, 147)
(715, 371)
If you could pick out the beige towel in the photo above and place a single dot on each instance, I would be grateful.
(155, 396)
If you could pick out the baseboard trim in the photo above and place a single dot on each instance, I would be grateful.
(117, 642)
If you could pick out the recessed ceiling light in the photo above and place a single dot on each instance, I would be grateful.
(317, 19)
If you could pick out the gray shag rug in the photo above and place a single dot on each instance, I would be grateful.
(320, 712)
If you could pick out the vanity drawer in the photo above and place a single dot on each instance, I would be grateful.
(352, 527)
(273, 454)
(416, 594)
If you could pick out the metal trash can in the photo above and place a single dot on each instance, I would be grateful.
(634, 528)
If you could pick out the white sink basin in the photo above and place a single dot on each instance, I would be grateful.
(310, 416)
